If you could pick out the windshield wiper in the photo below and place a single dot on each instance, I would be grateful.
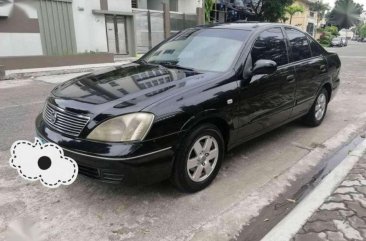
(142, 61)
(175, 66)
(168, 64)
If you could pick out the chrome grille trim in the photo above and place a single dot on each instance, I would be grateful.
(64, 121)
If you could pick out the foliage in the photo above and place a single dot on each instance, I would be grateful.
(327, 34)
(293, 9)
(284, 19)
(270, 10)
(208, 8)
(363, 31)
(320, 8)
(345, 14)
(333, 30)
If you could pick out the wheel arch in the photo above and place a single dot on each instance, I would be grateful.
(328, 87)
(211, 117)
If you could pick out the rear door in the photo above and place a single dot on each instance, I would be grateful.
(267, 100)
(310, 69)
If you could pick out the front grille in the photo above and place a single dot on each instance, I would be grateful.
(64, 121)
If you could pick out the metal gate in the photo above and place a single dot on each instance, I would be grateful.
(56, 27)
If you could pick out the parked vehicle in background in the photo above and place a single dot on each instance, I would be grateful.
(177, 110)
(344, 41)
(337, 41)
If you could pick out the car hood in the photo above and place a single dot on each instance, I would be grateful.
(133, 86)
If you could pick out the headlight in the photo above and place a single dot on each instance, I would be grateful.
(130, 127)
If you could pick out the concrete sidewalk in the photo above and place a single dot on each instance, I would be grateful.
(342, 217)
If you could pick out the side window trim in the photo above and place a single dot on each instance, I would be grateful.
(288, 46)
(291, 58)
(311, 49)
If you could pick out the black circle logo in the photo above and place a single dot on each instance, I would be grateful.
(44, 162)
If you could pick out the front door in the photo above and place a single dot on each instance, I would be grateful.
(116, 34)
(267, 100)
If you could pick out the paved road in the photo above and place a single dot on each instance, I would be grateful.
(89, 210)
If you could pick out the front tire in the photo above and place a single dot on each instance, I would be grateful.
(317, 112)
(199, 159)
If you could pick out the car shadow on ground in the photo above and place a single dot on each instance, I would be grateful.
(167, 190)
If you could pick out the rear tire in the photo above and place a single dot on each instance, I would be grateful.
(199, 158)
(318, 111)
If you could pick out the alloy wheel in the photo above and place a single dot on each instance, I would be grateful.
(320, 107)
(202, 158)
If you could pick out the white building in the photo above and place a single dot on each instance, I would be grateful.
(78, 26)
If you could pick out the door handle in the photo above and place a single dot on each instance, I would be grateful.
(322, 68)
(290, 78)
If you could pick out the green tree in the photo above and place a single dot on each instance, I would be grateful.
(333, 30)
(327, 34)
(345, 14)
(269, 10)
(363, 31)
(320, 8)
(293, 9)
(284, 19)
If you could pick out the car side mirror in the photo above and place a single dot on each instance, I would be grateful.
(264, 66)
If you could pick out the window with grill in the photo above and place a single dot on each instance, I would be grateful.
(134, 3)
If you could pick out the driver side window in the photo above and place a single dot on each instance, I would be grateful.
(270, 45)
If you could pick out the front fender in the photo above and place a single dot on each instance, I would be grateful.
(207, 115)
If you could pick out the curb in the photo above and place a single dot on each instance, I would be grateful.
(29, 73)
(233, 218)
(288, 227)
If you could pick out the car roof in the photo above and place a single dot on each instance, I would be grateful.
(244, 25)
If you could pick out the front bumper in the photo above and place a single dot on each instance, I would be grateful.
(136, 162)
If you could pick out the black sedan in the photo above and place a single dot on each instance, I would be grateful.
(177, 110)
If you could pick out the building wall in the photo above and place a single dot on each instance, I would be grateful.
(17, 44)
(190, 6)
(142, 4)
(19, 29)
(120, 5)
(182, 6)
(301, 20)
(90, 30)
(158, 4)
(20, 26)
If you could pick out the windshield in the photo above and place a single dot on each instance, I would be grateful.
(200, 49)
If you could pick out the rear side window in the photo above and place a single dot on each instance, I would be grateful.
(299, 44)
(316, 49)
(271, 45)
